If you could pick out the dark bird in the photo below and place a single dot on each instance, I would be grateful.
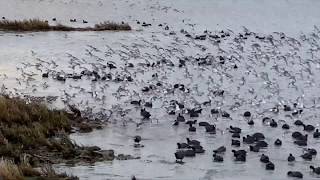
(247, 114)
(176, 123)
(191, 122)
(239, 152)
(179, 156)
(291, 158)
(137, 139)
(316, 134)
(45, 75)
(220, 149)
(301, 142)
(254, 148)
(264, 158)
(315, 169)
(262, 144)
(136, 102)
(241, 158)
(298, 123)
(84, 21)
(312, 151)
(270, 166)
(148, 104)
(182, 145)
(204, 124)
(258, 136)
(217, 158)
(250, 122)
(192, 128)
(235, 143)
(307, 156)
(235, 135)
(54, 19)
(145, 114)
(248, 140)
(273, 123)
(278, 142)
(285, 126)
(192, 142)
(211, 129)
(180, 118)
(189, 153)
(295, 174)
(308, 127)
(234, 129)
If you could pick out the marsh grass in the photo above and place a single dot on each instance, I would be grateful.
(34, 131)
(40, 25)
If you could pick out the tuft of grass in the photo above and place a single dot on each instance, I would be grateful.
(40, 25)
(24, 25)
(9, 170)
(112, 26)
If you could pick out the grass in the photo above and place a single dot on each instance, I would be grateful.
(31, 135)
(40, 25)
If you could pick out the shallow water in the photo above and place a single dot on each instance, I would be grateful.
(282, 71)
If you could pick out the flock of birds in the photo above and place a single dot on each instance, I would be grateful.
(189, 74)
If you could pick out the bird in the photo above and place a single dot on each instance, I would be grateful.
(234, 129)
(203, 123)
(180, 118)
(137, 139)
(270, 166)
(191, 122)
(235, 143)
(192, 142)
(250, 122)
(291, 158)
(54, 19)
(247, 114)
(295, 174)
(315, 169)
(136, 102)
(298, 123)
(145, 114)
(84, 21)
(285, 126)
(254, 148)
(210, 129)
(217, 158)
(264, 158)
(301, 142)
(179, 156)
(307, 156)
(316, 134)
(182, 145)
(248, 140)
(220, 149)
(278, 142)
(192, 128)
(308, 127)
(258, 136)
(45, 75)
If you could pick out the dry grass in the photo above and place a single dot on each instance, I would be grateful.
(112, 26)
(9, 170)
(40, 25)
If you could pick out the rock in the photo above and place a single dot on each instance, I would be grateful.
(107, 154)
(85, 128)
(93, 148)
(126, 157)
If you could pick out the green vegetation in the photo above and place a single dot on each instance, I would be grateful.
(31, 135)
